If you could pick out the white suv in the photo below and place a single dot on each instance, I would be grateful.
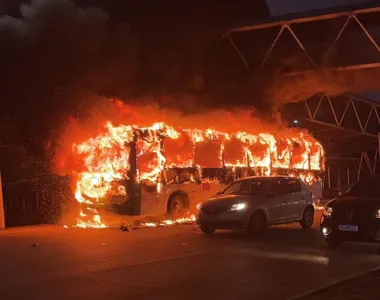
(256, 202)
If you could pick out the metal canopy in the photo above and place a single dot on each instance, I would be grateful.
(339, 120)
(347, 125)
(316, 15)
(363, 19)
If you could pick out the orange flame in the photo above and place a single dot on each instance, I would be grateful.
(106, 160)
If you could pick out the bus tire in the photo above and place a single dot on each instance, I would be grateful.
(177, 206)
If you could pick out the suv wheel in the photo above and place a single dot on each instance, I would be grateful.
(207, 229)
(308, 217)
(257, 223)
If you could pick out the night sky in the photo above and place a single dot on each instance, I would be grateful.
(55, 55)
(279, 7)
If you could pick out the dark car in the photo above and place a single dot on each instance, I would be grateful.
(355, 215)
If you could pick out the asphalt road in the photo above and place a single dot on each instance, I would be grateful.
(171, 263)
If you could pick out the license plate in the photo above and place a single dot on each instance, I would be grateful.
(352, 228)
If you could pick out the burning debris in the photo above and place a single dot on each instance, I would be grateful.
(124, 227)
(93, 222)
(189, 219)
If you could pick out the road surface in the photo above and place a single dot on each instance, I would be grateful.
(171, 263)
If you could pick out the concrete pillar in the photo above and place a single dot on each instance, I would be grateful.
(133, 190)
(378, 152)
(2, 214)
(339, 181)
(329, 177)
(360, 165)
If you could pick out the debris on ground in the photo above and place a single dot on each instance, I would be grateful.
(125, 227)
(187, 220)
(362, 287)
(145, 222)
(34, 245)
(192, 229)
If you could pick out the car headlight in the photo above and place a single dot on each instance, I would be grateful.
(237, 206)
(377, 214)
(327, 212)
(199, 206)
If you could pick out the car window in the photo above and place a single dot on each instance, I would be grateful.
(289, 186)
(258, 187)
(274, 186)
(245, 187)
(284, 186)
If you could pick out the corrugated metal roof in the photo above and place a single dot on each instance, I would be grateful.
(281, 7)
(342, 9)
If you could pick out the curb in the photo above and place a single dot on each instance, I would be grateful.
(335, 282)
(27, 228)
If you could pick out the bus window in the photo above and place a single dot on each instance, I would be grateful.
(182, 175)
(185, 176)
(206, 153)
(148, 186)
(171, 176)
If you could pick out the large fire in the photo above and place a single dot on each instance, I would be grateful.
(105, 158)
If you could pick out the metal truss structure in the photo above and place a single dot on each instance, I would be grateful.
(347, 125)
(363, 18)
(340, 119)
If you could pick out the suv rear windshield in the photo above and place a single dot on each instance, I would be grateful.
(368, 188)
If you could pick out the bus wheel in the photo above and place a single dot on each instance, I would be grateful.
(176, 207)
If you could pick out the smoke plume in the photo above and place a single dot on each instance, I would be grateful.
(55, 56)
(338, 72)
(332, 82)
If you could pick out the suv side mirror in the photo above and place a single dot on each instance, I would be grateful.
(272, 194)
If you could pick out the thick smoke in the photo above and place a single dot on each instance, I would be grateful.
(337, 74)
(332, 82)
(55, 56)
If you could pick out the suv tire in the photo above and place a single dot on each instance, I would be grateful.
(207, 229)
(257, 223)
(307, 217)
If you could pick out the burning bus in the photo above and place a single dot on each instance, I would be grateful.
(157, 169)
